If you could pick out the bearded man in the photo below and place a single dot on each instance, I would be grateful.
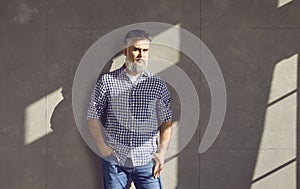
(136, 105)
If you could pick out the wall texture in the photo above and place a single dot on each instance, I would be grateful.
(43, 41)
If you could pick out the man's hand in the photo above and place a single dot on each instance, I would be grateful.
(159, 163)
(159, 156)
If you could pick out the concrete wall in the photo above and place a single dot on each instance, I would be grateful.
(256, 44)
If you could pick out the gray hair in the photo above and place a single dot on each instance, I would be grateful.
(136, 35)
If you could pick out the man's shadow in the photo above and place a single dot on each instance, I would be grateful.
(66, 140)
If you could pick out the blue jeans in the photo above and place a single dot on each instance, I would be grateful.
(117, 177)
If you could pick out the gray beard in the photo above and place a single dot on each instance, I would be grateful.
(136, 68)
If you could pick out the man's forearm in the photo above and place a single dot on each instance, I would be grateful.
(96, 132)
(165, 136)
(95, 127)
(159, 156)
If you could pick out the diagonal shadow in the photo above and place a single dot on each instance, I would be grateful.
(274, 171)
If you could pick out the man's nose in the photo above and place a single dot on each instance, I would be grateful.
(141, 53)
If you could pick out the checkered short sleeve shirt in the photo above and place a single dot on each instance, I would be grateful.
(133, 113)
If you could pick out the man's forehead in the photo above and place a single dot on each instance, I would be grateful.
(139, 43)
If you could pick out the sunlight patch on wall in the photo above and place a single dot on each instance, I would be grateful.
(170, 55)
(38, 115)
(281, 3)
(284, 78)
(278, 142)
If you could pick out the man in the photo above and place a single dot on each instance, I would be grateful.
(137, 105)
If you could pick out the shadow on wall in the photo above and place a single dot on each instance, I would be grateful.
(68, 153)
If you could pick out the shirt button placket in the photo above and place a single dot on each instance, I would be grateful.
(132, 119)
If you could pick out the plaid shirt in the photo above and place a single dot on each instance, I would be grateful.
(134, 111)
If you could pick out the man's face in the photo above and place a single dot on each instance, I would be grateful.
(138, 51)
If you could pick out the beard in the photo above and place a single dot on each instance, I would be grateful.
(136, 68)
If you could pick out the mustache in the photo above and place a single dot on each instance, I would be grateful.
(140, 60)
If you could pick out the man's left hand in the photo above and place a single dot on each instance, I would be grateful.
(159, 162)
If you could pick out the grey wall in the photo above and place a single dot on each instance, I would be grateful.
(42, 43)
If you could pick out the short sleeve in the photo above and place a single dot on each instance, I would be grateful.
(164, 111)
(98, 100)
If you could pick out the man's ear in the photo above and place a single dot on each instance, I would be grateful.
(125, 51)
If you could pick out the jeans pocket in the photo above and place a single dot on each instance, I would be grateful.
(153, 162)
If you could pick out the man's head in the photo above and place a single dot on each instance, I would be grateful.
(136, 51)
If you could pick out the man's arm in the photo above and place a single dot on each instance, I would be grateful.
(159, 156)
(95, 129)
